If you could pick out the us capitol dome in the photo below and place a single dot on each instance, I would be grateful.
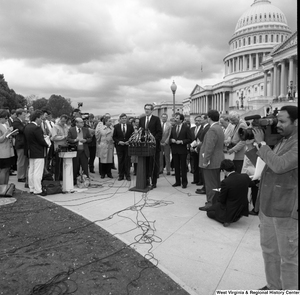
(257, 31)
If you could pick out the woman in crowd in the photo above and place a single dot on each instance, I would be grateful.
(105, 147)
(6, 147)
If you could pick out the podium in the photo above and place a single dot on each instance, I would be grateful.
(142, 150)
(68, 184)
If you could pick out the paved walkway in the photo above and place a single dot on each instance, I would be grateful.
(198, 253)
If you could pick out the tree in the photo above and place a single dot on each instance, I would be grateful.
(40, 103)
(59, 105)
(8, 97)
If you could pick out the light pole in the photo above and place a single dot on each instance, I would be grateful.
(173, 88)
(242, 97)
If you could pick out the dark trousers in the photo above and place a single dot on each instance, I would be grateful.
(212, 180)
(92, 150)
(180, 168)
(254, 191)
(105, 168)
(152, 167)
(57, 164)
(123, 162)
(81, 160)
(196, 168)
(238, 165)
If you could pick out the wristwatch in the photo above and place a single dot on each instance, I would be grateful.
(259, 145)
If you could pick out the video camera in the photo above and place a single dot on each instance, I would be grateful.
(267, 124)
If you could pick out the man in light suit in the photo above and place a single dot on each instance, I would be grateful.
(121, 135)
(236, 145)
(165, 150)
(180, 137)
(80, 136)
(152, 123)
(211, 156)
(35, 148)
(232, 201)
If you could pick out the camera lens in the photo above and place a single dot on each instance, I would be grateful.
(246, 134)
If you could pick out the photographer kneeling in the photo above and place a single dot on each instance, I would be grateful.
(278, 203)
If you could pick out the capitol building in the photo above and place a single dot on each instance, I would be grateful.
(260, 69)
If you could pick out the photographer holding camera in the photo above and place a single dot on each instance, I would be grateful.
(278, 202)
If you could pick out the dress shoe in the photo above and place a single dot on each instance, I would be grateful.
(199, 183)
(153, 186)
(194, 182)
(200, 192)
(102, 176)
(226, 224)
(109, 176)
(173, 174)
(264, 288)
(26, 185)
(92, 171)
(160, 172)
(121, 178)
(12, 174)
(184, 186)
(43, 194)
(176, 184)
(204, 208)
(22, 180)
(168, 173)
(252, 212)
(128, 178)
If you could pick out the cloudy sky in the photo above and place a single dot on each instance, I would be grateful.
(117, 55)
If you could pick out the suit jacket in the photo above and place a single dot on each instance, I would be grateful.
(119, 136)
(212, 148)
(166, 133)
(201, 135)
(154, 127)
(19, 138)
(35, 146)
(278, 187)
(185, 135)
(232, 201)
(72, 135)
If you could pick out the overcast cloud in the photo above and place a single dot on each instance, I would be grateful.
(117, 55)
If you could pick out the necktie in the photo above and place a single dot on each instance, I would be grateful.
(163, 127)
(196, 131)
(147, 123)
(124, 129)
(177, 130)
(79, 130)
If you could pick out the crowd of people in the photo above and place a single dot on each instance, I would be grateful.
(210, 148)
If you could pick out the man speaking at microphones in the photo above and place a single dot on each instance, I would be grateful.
(152, 123)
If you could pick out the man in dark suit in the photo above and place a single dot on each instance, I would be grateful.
(36, 150)
(22, 160)
(122, 133)
(232, 201)
(79, 136)
(203, 131)
(152, 123)
(196, 131)
(211, 156)
(180, 137)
